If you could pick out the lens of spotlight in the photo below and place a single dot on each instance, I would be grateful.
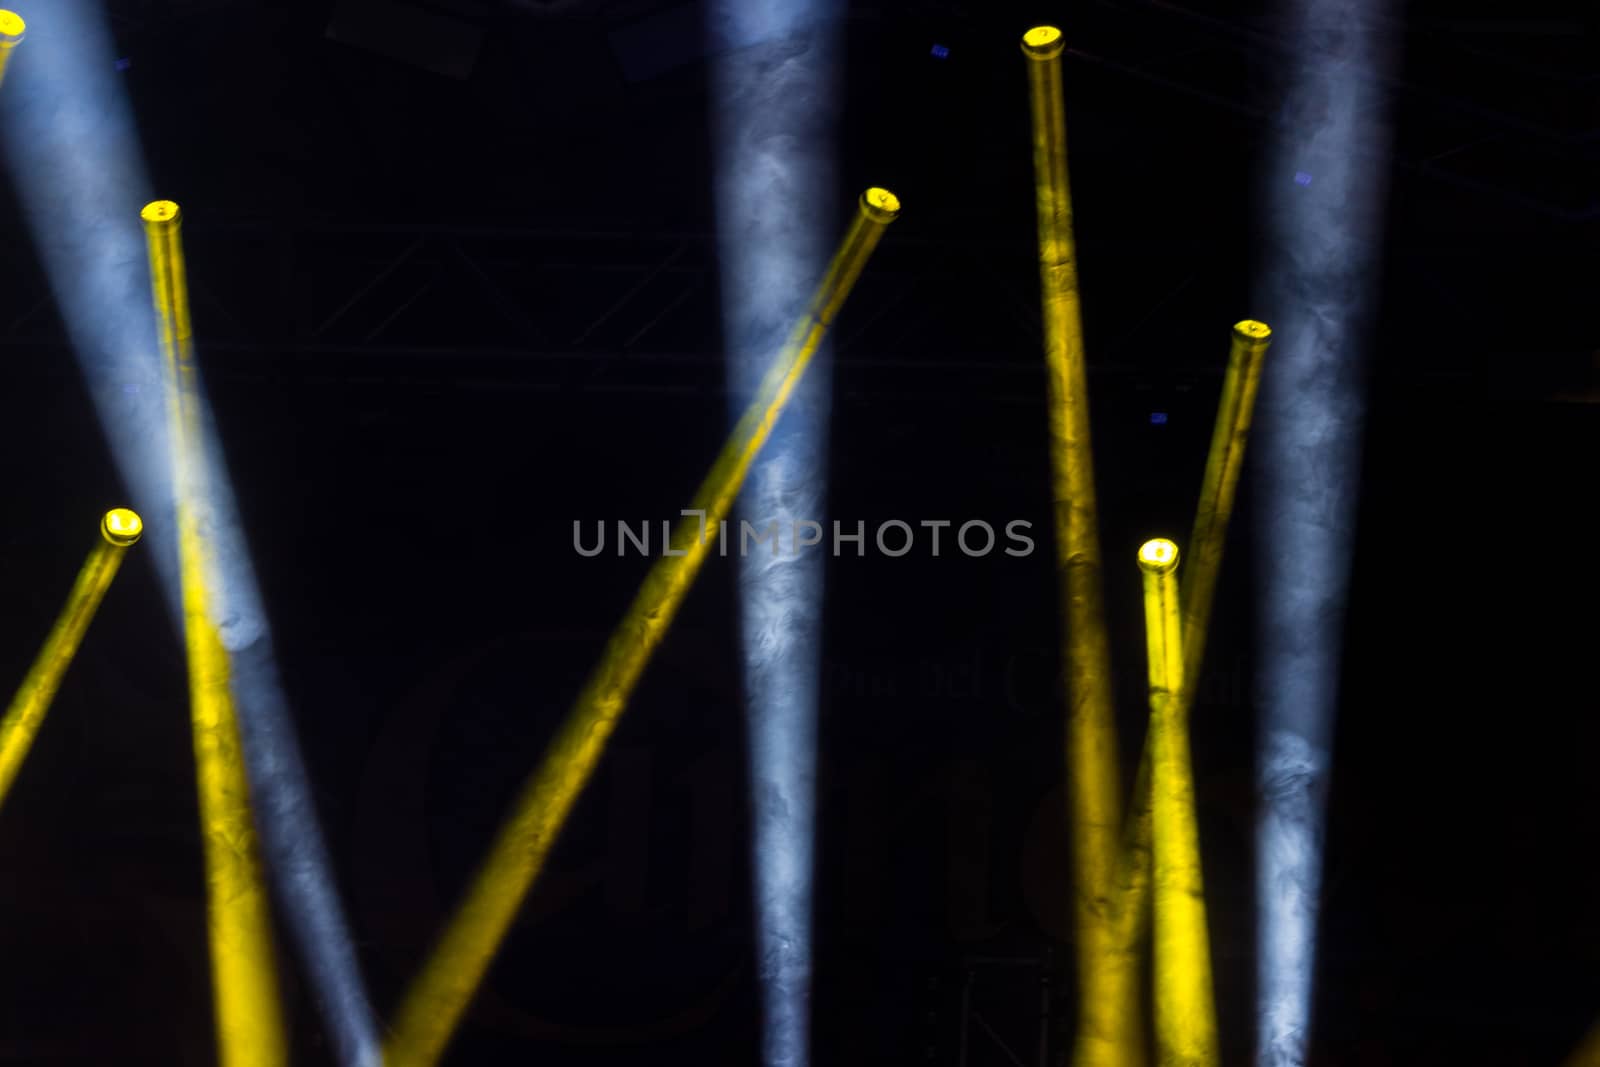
(11, 32)
(122, 527)
(1158, 556)
(880, 204)
(1043, 42)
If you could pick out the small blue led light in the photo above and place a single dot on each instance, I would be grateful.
(940, 51)
(1302, 178)
(124, 63)
(1158, 418)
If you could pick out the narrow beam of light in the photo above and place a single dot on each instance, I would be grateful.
(1185, 1009)
(74, 154)
(1588, 1053)
(244, 978)
(773, 114)
(119, 528)
(1201, 569)
(1317, 287)
(1109, 1030)
(436, 1000)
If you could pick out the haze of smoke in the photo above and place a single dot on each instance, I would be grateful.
(1319, 284)
(774, 116)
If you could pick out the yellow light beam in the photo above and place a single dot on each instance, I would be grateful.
(436, 1000)
(1185, 1013)
(1203, 559)
(1588, 1053)
(249, 1023)
(1198, 581)
(12, 29)
(1108, 1023)
(119, 529)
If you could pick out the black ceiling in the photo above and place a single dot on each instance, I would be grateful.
(490, 303)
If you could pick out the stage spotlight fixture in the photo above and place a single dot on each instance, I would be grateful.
(121, 527)
(12, 29)
(1159, 556)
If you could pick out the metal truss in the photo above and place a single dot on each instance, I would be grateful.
(560, 308)
(1013, 1035)
(632, 310)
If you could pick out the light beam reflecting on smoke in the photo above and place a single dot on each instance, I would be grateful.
(1290, 845)
(773, 112)
(1318, 290)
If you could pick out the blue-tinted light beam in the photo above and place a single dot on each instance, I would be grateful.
(1317, 288)
(75, 157)
(773, 110)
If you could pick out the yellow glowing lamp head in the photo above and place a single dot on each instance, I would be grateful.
(880, 205)
(121, 526)
(1043, 42)
(159, 213)
(1158, 556)
(1251, 330)
(11, 28)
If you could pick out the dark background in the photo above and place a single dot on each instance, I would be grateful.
(441, 317)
